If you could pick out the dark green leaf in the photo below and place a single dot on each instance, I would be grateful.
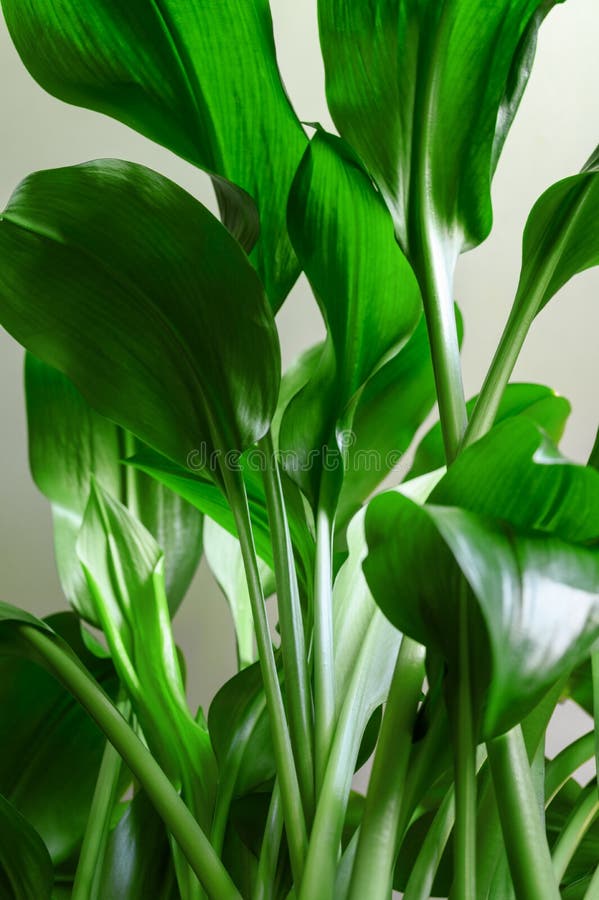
(200, 79)
(533, 599)
(25, 866)
(138, 862)
(50, 750)
(121, 280)
(426, 92)
(68, 444)
(534, 401)
(124, 569)
(366, 290)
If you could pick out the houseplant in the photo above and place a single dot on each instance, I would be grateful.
(158, 417)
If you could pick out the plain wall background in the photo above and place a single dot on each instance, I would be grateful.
(555, 132)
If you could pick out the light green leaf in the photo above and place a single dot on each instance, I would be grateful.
(121, 280)
(200, 79)
(25, 865)
(124, 569)
(426, 91)
(534, 401)
(68, 444)
(223, 555)
(367, 293)
(533, 599)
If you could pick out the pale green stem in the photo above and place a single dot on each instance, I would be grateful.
(293, 645)
(295, 825)
(592, 891)
(580, 820)
(464, 738)
(523, 829)
(93, 849)
(373, 868)
(324, 661)
(168, 804)
(422, 876)
(595, 675)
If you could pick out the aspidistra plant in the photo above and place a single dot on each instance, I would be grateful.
(432, 628)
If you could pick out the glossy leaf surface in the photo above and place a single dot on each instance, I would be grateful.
(200, 78)
(366, 290)
(124, 569)
(121, 280)
(534, 401)
(69, 444)
(25, 864)
(138, 862)
(426, 93)
(533, 607)
(50, 750)
(560, 238)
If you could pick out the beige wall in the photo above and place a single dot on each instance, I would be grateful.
(556, 131)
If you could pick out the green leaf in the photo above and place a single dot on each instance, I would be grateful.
(534, 401)
(121, 280)
(426, 92)
(533, 599)
(50, 750)
(561, 497)
(366, 291)
(560, 238)
(124, 569)
(203, 81)
(138, 862)
(25, 865)
(68, 444)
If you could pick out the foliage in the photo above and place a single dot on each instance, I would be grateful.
(432, 628)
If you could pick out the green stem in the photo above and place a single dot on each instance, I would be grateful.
(464, 885)
(373, 868)
(167, 802)
(324, 662)
(293, 646)
(595, 677)
(269, 852)
(95, 839)
(285, 763)
(580, 820)
(592, 891)
(523, 829)
(422, 876)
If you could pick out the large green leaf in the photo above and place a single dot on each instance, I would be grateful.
(138, 862)
(561, 497)
(533, 598)
(200, 78)
(367, 293)
(25, 865)
(68, 444)
(426, 90)
(50, 750)
(534, 401)
(124, 569)
(121, 280)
